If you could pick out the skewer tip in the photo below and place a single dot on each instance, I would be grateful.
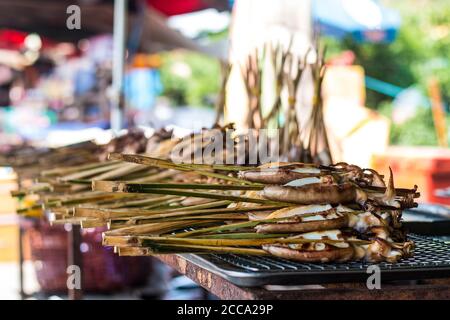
(114, 156)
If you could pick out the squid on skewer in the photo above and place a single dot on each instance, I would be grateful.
(344, 248)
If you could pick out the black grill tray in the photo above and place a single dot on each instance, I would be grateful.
(431, 260)
(428, 219)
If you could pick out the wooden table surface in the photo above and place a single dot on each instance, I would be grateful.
(223, 289)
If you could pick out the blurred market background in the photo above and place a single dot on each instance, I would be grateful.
(386, 93)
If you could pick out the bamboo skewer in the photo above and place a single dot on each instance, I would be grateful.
(133, 187)
(158, 214)
(199, 169)
(155, 228)
(91, 172)
(172, 249)
(211, 211)
(61, 171)
(147, 240)
(112, 186)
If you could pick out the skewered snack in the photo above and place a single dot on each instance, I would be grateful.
(378, 218)
(366, 226)
(342, 250)
(61, 189)
(315, 193)
(303, 212)
(305, 184)
(302, 220)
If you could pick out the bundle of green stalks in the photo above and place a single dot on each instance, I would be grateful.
(60, 191)
(304, 212)
(30, 161)
(61, 176)
(42, 163)
(303, 134)
(296, 211)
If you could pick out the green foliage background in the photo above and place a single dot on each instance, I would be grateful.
(196, 90)
(421, 50)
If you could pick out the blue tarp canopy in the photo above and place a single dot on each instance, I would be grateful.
(364, 20)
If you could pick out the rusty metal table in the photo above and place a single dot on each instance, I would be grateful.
(223, 289)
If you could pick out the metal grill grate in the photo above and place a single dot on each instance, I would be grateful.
(431, 260)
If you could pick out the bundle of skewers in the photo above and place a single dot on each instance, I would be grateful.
(46, 171)
(303, 212)
(59, 190)
(303, 134)
(29, 161)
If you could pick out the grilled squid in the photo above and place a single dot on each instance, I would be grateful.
(388, 198)
(342, 249)
(317, 250)
(304, 219)
(373, 178)
(258, 215)
(363, 221)
(325, 189)
(300, 219)
(313, 193)
(382, 250)
(326, 253)
(281, 175)
(249, 194)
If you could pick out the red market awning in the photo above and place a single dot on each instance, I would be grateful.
(176, 7)
(15, 40)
